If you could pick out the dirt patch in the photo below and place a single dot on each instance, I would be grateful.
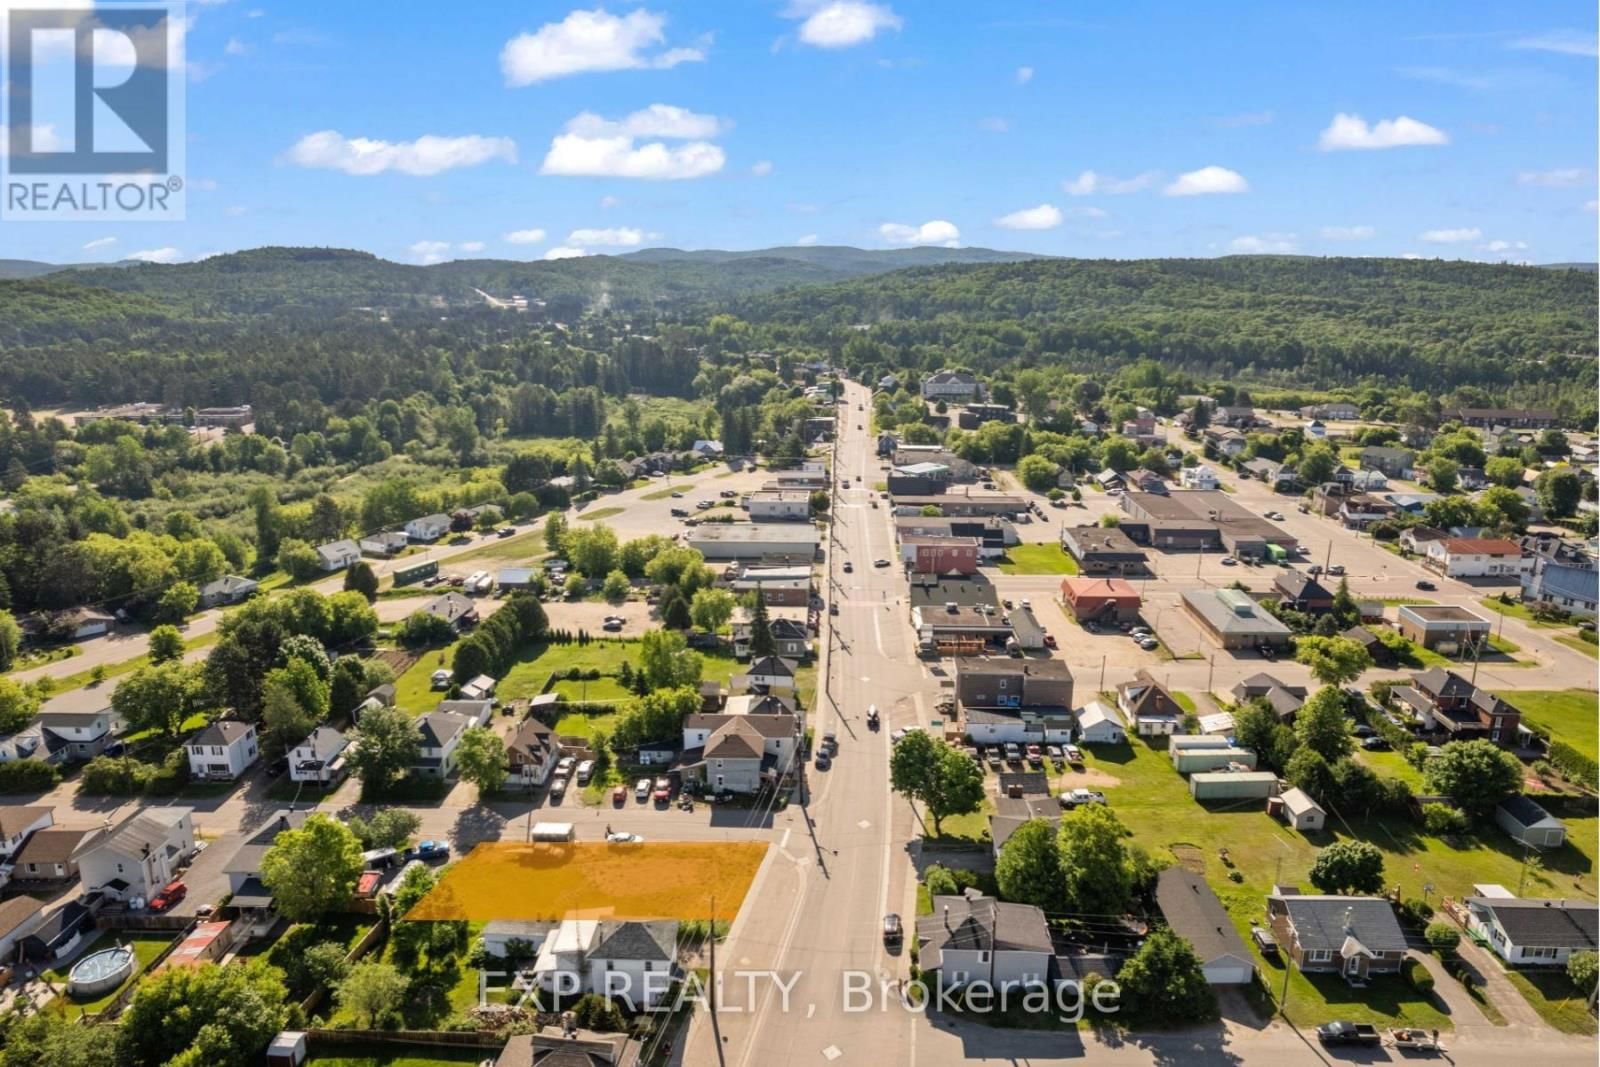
(1191, 858)
(1087, 778)
(399, 660)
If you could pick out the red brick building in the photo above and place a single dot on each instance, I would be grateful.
(927, 554)
(1101, 599)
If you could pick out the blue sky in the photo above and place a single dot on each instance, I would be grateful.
(431, 131)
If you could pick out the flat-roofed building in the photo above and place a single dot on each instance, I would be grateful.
(742, 540)
(1103, 550)
(1443, 628)
(1231, 619)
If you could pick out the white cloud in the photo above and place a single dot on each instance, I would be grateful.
(524, 237)
(1043, 217)
(608, 202)
(1411, 255)
(156, 255)
(806, 240)
(1352, 132)
(761, 168)
(1091, 182)
(472, 246)
(587, 41)
(1266, 244)
(1506, 246)
(595, 147)
(1592, 206)
(620, 236)
(936, 232)
(563, 252)
(1567, 42)
(99, 242)
(426, 252)
(841, 23)
(1455, 236)
(1207, 180)
(1552, 179)
(1348, 233)
(1024, 75)
(427, 155)
(657, 120)
(995, 124)
(236, 47)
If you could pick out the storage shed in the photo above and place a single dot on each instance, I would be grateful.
(1301, 812)
(1190, 761)
(1234, 785)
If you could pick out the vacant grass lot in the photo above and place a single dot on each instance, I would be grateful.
(1042, 558)
(413, 691)
(1569, 714)
(393, 1056)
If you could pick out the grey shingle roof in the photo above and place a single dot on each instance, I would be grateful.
(980, 923)
(637, 940)
(1194, 912)
(1324, 922)
(1544, 923)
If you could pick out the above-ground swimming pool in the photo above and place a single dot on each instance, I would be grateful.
(100, 972)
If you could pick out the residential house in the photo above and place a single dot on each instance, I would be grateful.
(1241, 418)
(1472, 478)
(140, 856)
(320, 758)
(1226, 441)
(1417, 538)
(1103, 550)
(1449, 704)
(17, 823)
(1003, 682)
(758, 704)
(1340, 410)
(428, 528)
(1194, 913)
(229, 589)
(1282, 478)
(1100, 723)
(768, 673)
(1532, 932)
(1302, 592)
(223, 750)
(1148, 706)
(74, 624)
(1361, 481)
(1147, 482)
(33, 742)
(788, 587)
(1109, 479)
(792, 638)
(385, 543)
(738, 753)
(553, 1046)
(532, 753)
(1529, 824)
(932, 554)
(1392, 462)
(459, 611)
(1258, 685)
(973, 937)
(974, 415)
(1477, 557)
(1101, 600)
(1380, 652)
(337, 555)
(81, 735)
(625, 959)
(1443, 628)
(1571, 588)
(1198, 477)
(707, 448)
(1353, 936)
(243, 868)
(20, 917)
(952, 386)
(779, 505)
(439, 734)
(1316, 430)
(61, 932)
(1357, 511)
(51, 855)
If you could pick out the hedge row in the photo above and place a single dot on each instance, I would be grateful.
(1574, 764)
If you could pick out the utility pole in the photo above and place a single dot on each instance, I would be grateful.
(711, 932)
(1102, 688)
(1328, 559)
(1211, 671)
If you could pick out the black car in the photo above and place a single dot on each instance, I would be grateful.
(891, 929)
(1425, 584)
(1375, 744)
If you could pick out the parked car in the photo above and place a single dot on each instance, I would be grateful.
(619, 795)
(1149, 644)
(430, 850)
(847, 567)
(585, 771)
(622, 837)
(872, 716)
(1337, 570)
(677, 494)
(1265, 941)
(1375, 744)
(705, 505)
(994, 757)
(1074, 755)
(1073, 798)
(891, 929)
(1229, 561)
(880, 563)
(1013, 752)
(566, 764)
(680, 513)
(611, 625)
(663, 790)
(505, 531)
(558, 787)
(169, 895)
(1035, 756)
(1347, 1033)
(1314, 570)
(822, 761)
(641, 789)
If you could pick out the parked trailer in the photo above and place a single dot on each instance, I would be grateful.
(1192, 742)
(1223, 785)
(1211, 759)
(416, 572)
(553, 831)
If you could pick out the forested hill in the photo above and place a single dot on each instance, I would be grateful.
(1293, 319)
(839, 259)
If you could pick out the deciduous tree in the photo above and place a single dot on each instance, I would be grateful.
(313, 869)
(1348, 867)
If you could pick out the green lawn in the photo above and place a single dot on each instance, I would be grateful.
(1038, 559)
(1588, 648)
(1393, 765)
(600, 513)
(1551, 993)
(413, 691)
(146, 947)
(536, 663)
(388, 1056)
(662, 494)
(576, 724)
(1185, 701)
(600, 689)
(521, 548)
(1515, 610)
(1569, 714)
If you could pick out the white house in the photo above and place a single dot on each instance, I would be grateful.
(1478, 557)
(223, 750)
(973, 937)
(1316, 431)
(19, 917)
(1201, 477)
(386, 543)
(140, 856)
(707, 448)
(1301, 812)
(1530, 824)
(950, 385)
(78, 730)
(229, 589)
(18, 823)
(428, 528)
(1573, 588)
(737, 753)
(1101, 724)
(1532, 932)
(626, 959)
(337, 555)
(1017, 726)
(780, 505)
(770, 672)
(320, 757)
(479, 687)
(440, 734)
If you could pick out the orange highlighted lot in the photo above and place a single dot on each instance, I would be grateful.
(589, 880)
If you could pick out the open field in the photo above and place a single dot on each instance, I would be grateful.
(1040, 558)
(1569, 714)
(656, 880)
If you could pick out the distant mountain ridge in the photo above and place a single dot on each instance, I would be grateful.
(845, 259)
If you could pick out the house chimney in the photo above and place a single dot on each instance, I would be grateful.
(1347, 923)
(947, 916)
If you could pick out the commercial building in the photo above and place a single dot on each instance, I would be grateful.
(915, 479)
(965, 504)
(1574, 589)
(755, 541)
(1443, 628)
(780, 505)
(1232, 620)
(1108, 600)
(939, 555)
(1195, 518)
(1103, 550)
(952, 385)
(778, 586)
(1004, 682)
(994, 535)
(955, 607)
